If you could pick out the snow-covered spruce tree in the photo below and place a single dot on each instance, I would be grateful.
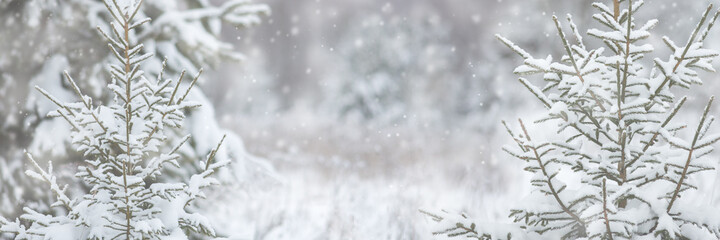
(631, 175)
(40, 38)
(121, 144)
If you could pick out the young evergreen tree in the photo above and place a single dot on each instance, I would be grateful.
(121, 143)
(614, 135)
(40, 38)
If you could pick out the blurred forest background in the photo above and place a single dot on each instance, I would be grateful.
(366, 110)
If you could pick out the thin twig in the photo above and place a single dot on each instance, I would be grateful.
(681, 59)
(605, 210)
(213, 152)
(690, 153)
(549, 179)
(574, 63)
(657, 133)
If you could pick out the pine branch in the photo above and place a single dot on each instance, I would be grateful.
(172, 97)
(710, 25)
(575, 31)
(50, 179)
(87, 104)
(596, 123)
(213, 152)
(512, 46)
(605, 211)
(549, 179)
(682, 57)
(690, 154)
(655, 135)
(192, 84)
(586, 135)
(537, 92)
(574, 63)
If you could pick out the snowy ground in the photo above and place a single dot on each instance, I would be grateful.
(359, 183)
(344, 181)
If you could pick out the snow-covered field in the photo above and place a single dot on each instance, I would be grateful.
(359, 183)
